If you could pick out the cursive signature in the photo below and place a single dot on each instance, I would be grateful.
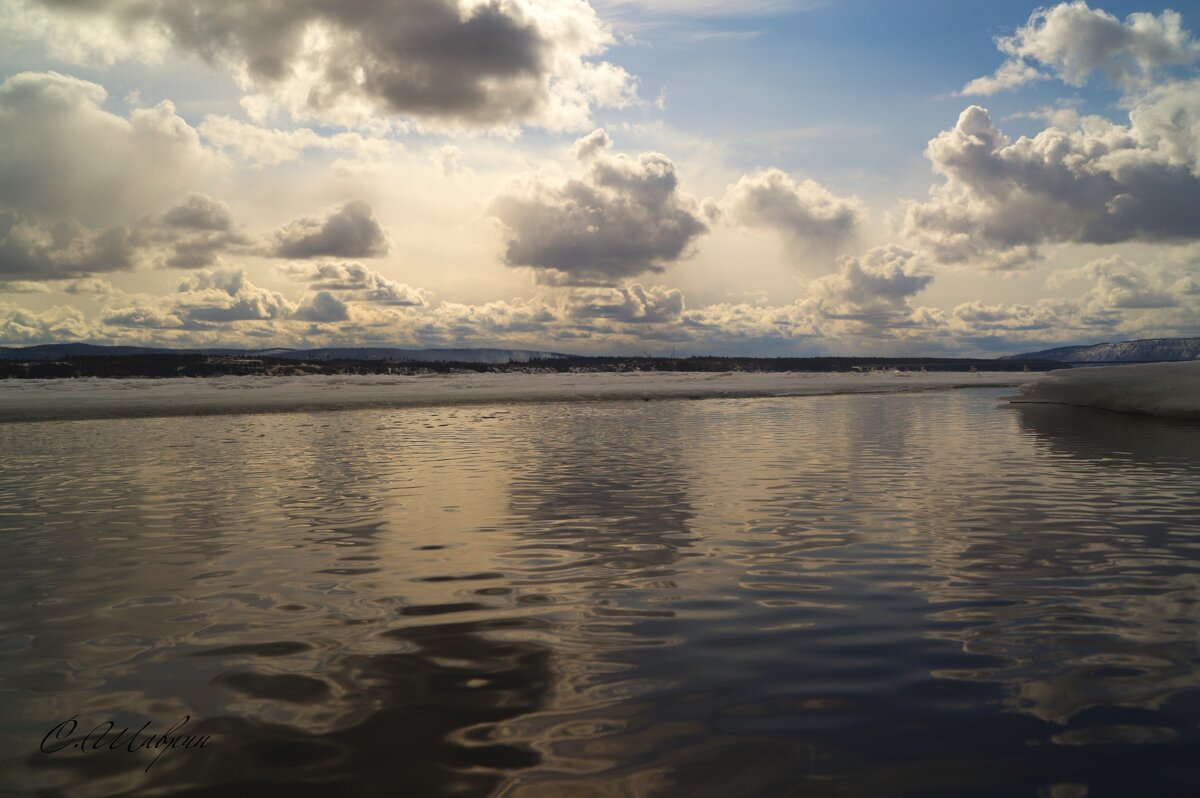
(101, 737)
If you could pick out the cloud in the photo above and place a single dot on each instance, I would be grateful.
(150, 317)
(323, 308)
(355, 281)
(225, 295)
(24, 287)
(881, 280)
(207, 299)
(198, 231)
(865, 303)
(1074, 41)
(706, 8)
(351, 231)
(1167, 118)
(20, 326)
(806, 212)
(79, 186)
(865, 306)
(262, 146)
(621, 218)
(1121, 300)
(1008, 76)
(630, 305)
(452, 322)
(1015, 322)
(1099, 183)
(62, 250)
(93, 286)
(66, 157)
(199, 212)
(1120, 284)
(755, 325)
(591, 145)
(479, 63)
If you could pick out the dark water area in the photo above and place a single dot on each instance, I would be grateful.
(932, 594)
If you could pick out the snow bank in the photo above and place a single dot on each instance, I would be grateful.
(35, 400)
(1156, 389)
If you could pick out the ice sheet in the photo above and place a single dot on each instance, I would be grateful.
(31, 400)
(1157, 389)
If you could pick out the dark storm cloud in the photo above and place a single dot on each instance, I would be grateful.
(480, 63)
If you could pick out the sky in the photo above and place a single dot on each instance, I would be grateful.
(763, 177)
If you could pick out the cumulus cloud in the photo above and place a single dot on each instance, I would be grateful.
(207, 299)
(64, 156)
(465, 62)
(1120, 300)
(865, 303)
(810, 215)
(592, 144)
(882, 279)
(1073, 41)
(60, 251)
(143, 316)
(78, 184)
(199, 212)
(751, 324)
(1118, 283)
(632, 304)
(452, 322)
(351, 231)
(1003, 323)
(1167, 118)
(623, 217)
(20, 326)
(197, 232)
(323, 308)
(356, 282)
(216, 301)
(224, 295)
(1099, 183)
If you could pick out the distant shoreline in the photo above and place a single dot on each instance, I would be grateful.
(209, 365)
(92, 398)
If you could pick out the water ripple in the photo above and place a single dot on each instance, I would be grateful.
(855, 595)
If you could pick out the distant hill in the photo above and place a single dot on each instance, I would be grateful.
(1151, 350)
(59, 351)
(417, 355)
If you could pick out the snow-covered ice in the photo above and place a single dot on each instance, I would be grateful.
(1157, 389)
(33, 400)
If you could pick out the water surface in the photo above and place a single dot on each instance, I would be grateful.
(928, 594)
